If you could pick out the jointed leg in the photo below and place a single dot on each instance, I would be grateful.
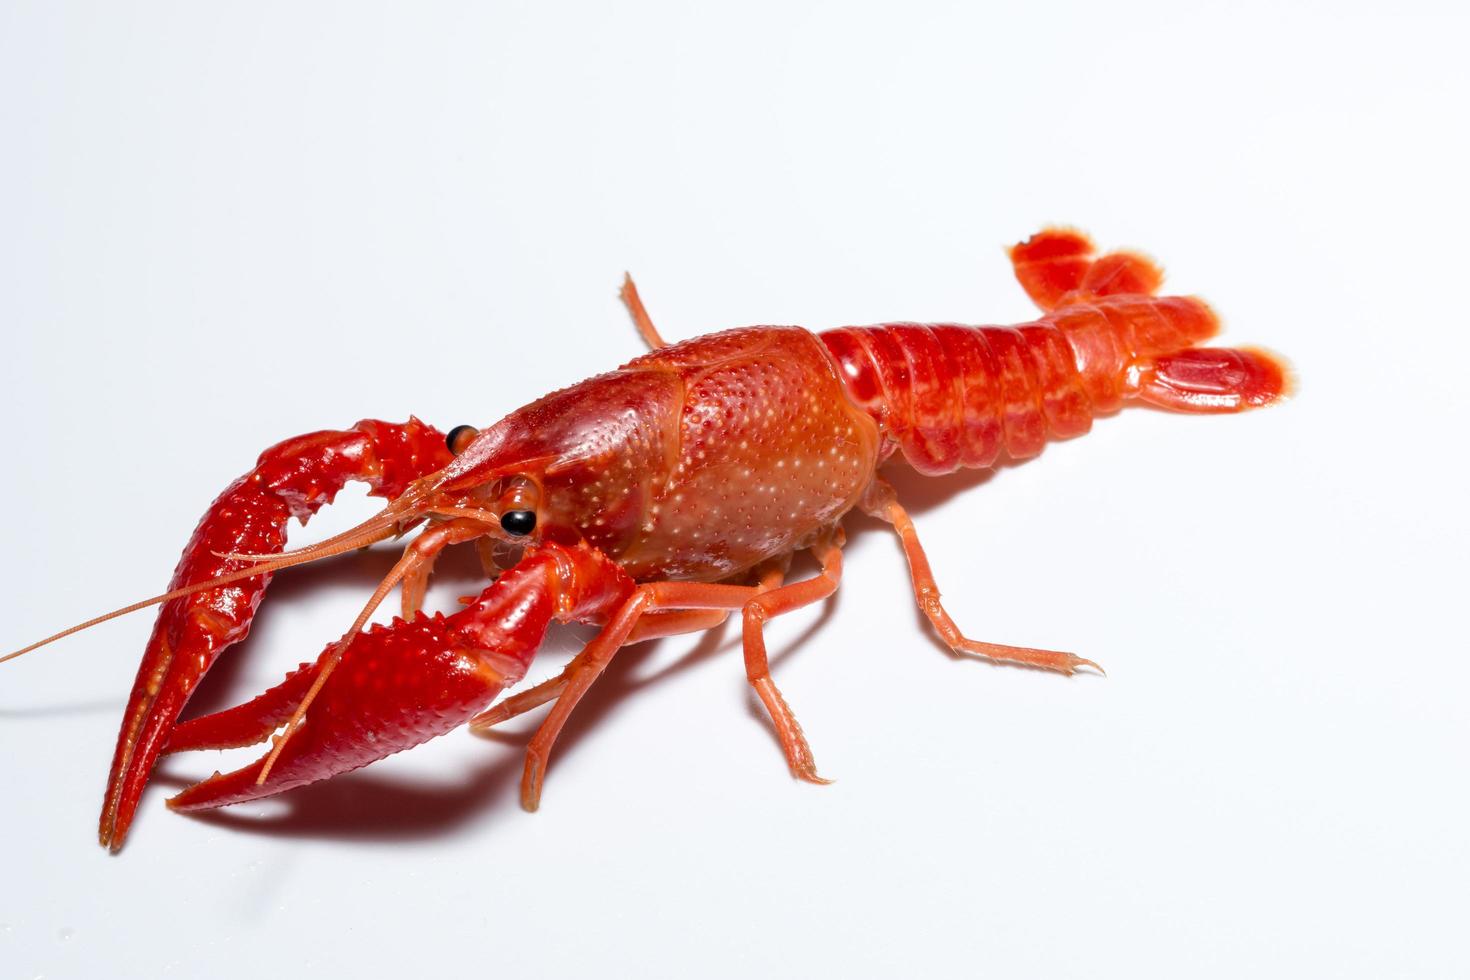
(585, 668)
(641, 319)
(882, 502)
(657, 625)
(592, 661)
(757, 604)
(415, 586)
(525, 701)
(756, 612)
(652, 626)
(672, 606)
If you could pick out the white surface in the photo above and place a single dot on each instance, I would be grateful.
(220, 226)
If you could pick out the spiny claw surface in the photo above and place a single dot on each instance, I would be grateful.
(395, 688)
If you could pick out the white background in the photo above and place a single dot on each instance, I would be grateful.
(221, 225)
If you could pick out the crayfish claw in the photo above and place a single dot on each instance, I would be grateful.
(395, 687)
(246, 724)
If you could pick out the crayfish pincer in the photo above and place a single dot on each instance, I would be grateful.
(652, 500)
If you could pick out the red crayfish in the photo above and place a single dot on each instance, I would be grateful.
(649, 501)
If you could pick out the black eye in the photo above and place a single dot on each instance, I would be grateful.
(518, 522)
(459, 437)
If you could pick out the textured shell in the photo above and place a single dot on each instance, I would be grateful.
(770, 449)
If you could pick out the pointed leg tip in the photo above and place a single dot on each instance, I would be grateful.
(807, 773)
(531, 785)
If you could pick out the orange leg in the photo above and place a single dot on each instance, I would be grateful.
(882, 503)
(629, 295)
(525, 701)
(759, 603)
(658, 625)
(652, 626)
(416, 585)
(758, 669)
(587, 666)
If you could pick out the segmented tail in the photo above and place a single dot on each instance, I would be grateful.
(952, 396)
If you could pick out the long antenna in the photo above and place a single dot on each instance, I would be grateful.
(370, 532)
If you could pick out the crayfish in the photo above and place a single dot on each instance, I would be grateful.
(652, 500)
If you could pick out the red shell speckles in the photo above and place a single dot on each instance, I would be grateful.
(771, 449)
